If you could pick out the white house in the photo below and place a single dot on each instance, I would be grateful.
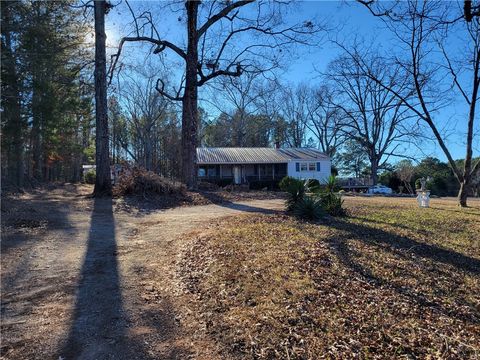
(247, 165)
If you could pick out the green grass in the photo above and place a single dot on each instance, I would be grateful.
(389, 281)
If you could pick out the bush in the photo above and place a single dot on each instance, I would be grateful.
(333, 204)
(89, 176)
(309, 208)
(331, 185)
(287, 182)
(138, 181)
(295, 189)
(314, 185)
(326, 197)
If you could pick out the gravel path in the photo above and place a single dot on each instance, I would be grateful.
(81, 281)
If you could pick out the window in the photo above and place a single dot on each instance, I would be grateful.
(212, 172)
(311, 166)
(201, 172)
(303, 167)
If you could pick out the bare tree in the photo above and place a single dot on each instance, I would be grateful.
(146, 111)
(224, 43)
(269, 102)
(236, 98)
(295, 111)
(373, 117)
(103, 182)
(324, 120)
(422, 27)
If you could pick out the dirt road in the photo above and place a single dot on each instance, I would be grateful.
(81, 280)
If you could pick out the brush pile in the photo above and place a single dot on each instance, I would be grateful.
(138, 181)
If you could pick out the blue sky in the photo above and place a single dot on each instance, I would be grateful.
(345, 21)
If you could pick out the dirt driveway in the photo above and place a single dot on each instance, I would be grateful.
(81, 280)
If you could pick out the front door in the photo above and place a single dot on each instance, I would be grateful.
(237, 175)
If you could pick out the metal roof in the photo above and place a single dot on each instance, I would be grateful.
(256, 155)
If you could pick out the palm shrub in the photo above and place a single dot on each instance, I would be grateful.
(331, 185)
(309, 208)
(295, 189)
(331, 200)
(332, 203)
(322, 200)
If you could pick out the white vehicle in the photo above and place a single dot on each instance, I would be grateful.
(380, 189)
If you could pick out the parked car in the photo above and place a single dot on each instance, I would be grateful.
(379, 189)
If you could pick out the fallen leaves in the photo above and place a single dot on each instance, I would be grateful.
(381, 284)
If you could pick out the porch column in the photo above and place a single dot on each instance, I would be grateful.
(273, 171)
(220, 171)
(259, 169)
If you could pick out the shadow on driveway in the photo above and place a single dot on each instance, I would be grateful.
(98, 329)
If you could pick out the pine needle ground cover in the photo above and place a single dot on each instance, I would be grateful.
(389, 281)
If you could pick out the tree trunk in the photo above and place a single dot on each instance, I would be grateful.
(463, 193)
(189, 102)
(103, 183)
(36, 124)
(148, 154)
(13, 128)
(374, 170)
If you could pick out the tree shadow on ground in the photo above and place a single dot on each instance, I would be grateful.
(395, 242)
(25, 221)
(221, 201)
(145, 205)
(408, 251)
(99, 324)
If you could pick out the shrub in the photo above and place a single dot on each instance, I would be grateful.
(332, 204)
(89, 176)
(331, 185)
(295, 189)
(331, 199)
(309, 208)
(326, 197)
(314, 185)
(287, 182)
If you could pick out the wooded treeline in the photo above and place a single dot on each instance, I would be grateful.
(46, 92)
(366, 109)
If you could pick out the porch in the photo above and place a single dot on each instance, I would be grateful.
(242, 173)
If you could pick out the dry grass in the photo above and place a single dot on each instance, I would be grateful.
(390, 281)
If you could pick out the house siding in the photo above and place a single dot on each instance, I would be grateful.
(322, 175)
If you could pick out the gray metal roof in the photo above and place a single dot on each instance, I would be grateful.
(256, 155)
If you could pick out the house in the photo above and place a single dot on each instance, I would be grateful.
(248, 165)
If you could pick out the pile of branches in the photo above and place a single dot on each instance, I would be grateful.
(138, 181)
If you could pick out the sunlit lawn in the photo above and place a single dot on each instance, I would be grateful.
(389, 281)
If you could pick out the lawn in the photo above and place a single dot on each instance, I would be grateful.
(388, 281)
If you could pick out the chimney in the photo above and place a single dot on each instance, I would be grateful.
(277, 144)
